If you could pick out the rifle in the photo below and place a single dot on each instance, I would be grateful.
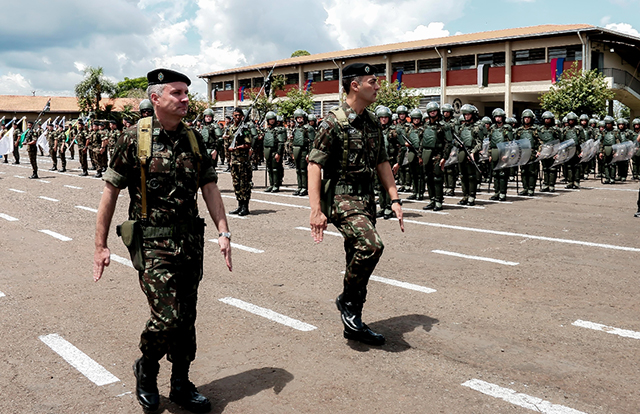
(243, 124)
(466, 150)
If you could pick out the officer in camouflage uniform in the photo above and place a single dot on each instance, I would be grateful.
(83, 146)
(60, 146)
(95, 146)
(353, 128)
(548, 132)
(529, 172)
(17, 132)
(273, 141)
(303, 136)
(172, 236)
(104, 149)
(434, 144)
(635, 169)
(112, 137)
(313, 123)
(608, 138)
(500, 132)
(391, 146)
(241, 172)
(402, 127)
(624, 135)
(51, 139)
(574, 132)
(471, 135)
(30, 139)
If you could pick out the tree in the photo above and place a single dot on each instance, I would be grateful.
(391, 96)
(262, 104)
(90, 90)
(300, 53)
(278, 83)
(197, 105)
(578, 91)
(296, 98)
(132, 88)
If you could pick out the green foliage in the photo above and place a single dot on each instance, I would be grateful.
(296, 98)
(300, 53)
(278, 83)
(577, 91)
(132, 88)
(390, 96)
(90, 90)
(262, 105)
(197, 105)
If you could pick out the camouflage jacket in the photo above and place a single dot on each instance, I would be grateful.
(113, 138)
(240, 156)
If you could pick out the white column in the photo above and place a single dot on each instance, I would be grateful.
(508, 99)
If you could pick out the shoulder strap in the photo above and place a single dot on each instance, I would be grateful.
(343, 122)
(195, 148)
(144, 152)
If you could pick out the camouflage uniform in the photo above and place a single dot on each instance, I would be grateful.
(241, 173)
(472, 136)
(173, 235)
(354, 210)
(498, 134)
(549, 172)
(113, 136)
(94, 148)
(274, 140)
(81, 140)
(30, 139)
(303, 136)
(577, 134)
(211, 133)
(16, 145)
(391, 144)
(52, 135)
(61, 137)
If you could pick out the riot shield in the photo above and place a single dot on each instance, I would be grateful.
(548, 150)
(589, 150)
(513, 153)
(623, 151)
(485, 152)
(453, 157)
(566, 151)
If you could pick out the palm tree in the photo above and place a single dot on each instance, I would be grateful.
(90, 90)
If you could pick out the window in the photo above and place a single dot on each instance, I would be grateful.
(327, 105)
(425, 100)
(461, 62)
(217, 86)
(291, 78)
(407, 67)
(257, 82)
(493, 59)
(228, 85)
(228, 111)
(567, 52)
(244, 83)
(380, 70)
(330, 74)
(429, 65)
(317, 108)
(529, 56)
(314, 75)
(218, 114)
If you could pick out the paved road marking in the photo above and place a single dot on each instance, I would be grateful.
(281, 195)
(425, 211)
(48, 199)
(56, 235)
(484, 259)
(608, 329)
(610, 189)
(2, 295)
(330, 233)
(522, 400)
(241, 247)
(20, 176)
(73, 186)
(93, 210)
(484, 200)
(79, 360)
(121, 260)
(8, 218)
(273, 202)
(398, 283)
(17, 191)
(526, 236)
(43, 181)
(456, 205)
(269, 314)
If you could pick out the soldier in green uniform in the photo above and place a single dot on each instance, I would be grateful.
(241, 172)
(548, 132)
(61, 146)
(390, 137)
(403, 125)
(608, 138)
(500, 132)
(30, 138)
(414, 135)
(635, 166)
(349, 149)
(17, 133)
(95, 145)
(171, 234)
(624, 135)
(303, 135)
(112, 136)
(145, 108)
(451, 172)
(103, 153)
(434, 144)
(574, 132)
(529, 171)
(471, 136)
(83, 146)
(51, 140)
(273, 141)
(211, 133)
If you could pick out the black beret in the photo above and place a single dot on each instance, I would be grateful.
(161, 76)
(111, 121)
(357, 69)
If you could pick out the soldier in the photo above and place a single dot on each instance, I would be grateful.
(211, 133)
(350, 150)
(103, 160)
(529, 171)
(471, 136)
(635, 169)
(609, 137)
(71, 142)
(500, 132)
(83, 146)
(390, 137)
(95, 145)
(274, 139)
(574, 132)
(624, 135)
(402, 127)
(61, 146)
(302, 139)
(171, 234)
(240, 165)
(30, 139)
(145, 108)
(548, 132)
(112, 136)
(451, 172)
(410, 151)
(435, 143)
(17, 133)
(51, 139)
(313, 123)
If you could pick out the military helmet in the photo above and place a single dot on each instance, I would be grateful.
(447, 108)
(528, 113)
(609, 119)
(564, 120)
(270, 115)
(486, 120)
(461, 117)
(394, 117)
(592, 121)
(312, 117)
(467, 109)
(415, 114)
(299, 112)
(279, 118)
(623, 121)
(548, 115)
(475, 111)
(584, 117)
(402, 110)
(511, 121)
(432, 106)
(145, 104)
(208, 112)
(498, 112)
(571, 116)
(601, 124)
(383, 111)
(636, 121)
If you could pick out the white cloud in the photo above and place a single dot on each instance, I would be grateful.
(623, 28)
(433, 30)
(15, 84)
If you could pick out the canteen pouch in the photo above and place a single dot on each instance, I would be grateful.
(131, 233)
(327, 194)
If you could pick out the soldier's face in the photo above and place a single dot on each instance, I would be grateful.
(621, 127)
(174, 100)
(549, 122)
(208, 118)
(402, 117)
(367, 91)
(272, 121)
(526, 120)
(384, 120)
(609, 127)
(416, 121)
(498, 119)
(237, 117)
(446, 114)
(299, 119)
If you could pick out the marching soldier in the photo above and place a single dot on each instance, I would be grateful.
(273, 141)
(548, 132)
(211, 133)
(95, 145)
(30, 138)
(451, 172)
(574, 132)
(61, 146)
(83, 146)
(390, 137)
(435, 143)
(51, 139)
(241, 172)
(112, 136)
(17, 133)
(529, 171)
(402, 127)
(414, 134)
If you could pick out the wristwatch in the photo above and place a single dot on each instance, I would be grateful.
(225, 234)
(397, 200)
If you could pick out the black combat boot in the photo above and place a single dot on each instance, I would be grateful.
(146, 373)
(34, 175)
(54, 168)
(430, 206)
(99, 173)
(244, 209)
(354, 329)
(84, 173)
(237, 210)
(184, 393)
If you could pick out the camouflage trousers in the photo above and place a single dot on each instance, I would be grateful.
(241, 174)
(32, 150)
(173, 270)
(63, 159)
(53, 154)
(354, 217)
(16, 153)
(82, 157)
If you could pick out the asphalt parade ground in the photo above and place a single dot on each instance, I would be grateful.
(529, 305)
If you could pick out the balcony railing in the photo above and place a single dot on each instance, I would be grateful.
(622, 77)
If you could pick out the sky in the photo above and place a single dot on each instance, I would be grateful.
(44, 49)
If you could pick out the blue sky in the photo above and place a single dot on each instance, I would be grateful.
(47, 53)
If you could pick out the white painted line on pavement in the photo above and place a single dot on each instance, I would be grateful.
(73, 186)
(48, 199)
(121, 260)
(20, 176)
(424, 211)
(449, 205)
(398, 283)
(611, 189)
(79, 360)
(236, 216)
(608, 329)
(269, 314)
(280, 194)
(484, 259)
(2, 295)
(8, 218)
(522, 400)
(330, 233)
(44, 181)
(273, 202)
(93, 210)
(17, 191)
(241, 247)
(526, 236)
(56, 235)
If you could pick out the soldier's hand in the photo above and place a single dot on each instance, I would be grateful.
(277, 157)
(225, 249)
(397, 208)
(601, 156)
(395, 168)
(318, 223)
(101, 258)
(420, 161)
(442, 162)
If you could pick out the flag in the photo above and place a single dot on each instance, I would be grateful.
(557, 67)
(6, 143)
(47, 108)
(560, 67)
(241, 94)
(307, 85)
(397, 76)
(483, 75)
(42, 141)
(55, 121)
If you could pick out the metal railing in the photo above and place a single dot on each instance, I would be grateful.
(622, 77)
